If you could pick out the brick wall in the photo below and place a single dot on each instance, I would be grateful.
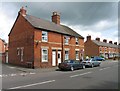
(21, 36)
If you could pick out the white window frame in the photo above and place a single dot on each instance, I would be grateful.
(77, 41)
(18, 51)
(43, 60)
(66, 40)
(66, 55)
(45, 37)
(22, 54)
(77, 55)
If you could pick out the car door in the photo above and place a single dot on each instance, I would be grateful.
(94, 62)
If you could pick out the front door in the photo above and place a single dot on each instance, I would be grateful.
(53, 58)
(59, 57)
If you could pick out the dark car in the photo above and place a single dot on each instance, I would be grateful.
(91, 62)
(71, 65)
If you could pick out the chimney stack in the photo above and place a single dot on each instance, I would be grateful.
(110, 42)
(98, 39)
(105, 40)
(56, 18)
(115, 43)
(88, 37)
(22, 11)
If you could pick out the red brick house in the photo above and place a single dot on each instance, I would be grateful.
(42, 43)
(3, 51)
(101, 48)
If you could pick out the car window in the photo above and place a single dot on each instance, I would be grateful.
(93, 59)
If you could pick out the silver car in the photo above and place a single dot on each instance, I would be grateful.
(91, 62)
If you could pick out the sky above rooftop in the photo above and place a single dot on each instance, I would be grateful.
(98, 19)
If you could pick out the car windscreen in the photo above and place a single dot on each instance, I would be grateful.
(69, 61)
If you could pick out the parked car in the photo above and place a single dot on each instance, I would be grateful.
(71, 65)
(91, 62)
(98, 58)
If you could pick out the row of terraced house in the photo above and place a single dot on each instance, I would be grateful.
(40, 43)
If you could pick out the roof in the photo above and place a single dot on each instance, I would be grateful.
(47, 25)
(99, 43)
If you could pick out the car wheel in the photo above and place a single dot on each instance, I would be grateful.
(92, 66)
(98, 64)
(72, 68)
(83, 66)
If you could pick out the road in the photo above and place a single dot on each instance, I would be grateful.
(103, 77)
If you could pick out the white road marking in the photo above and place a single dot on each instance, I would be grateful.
(23, 74)
(104, 68)
(32, 73)
(33, 84)
(11, 67)
(100, 69)
(0, 75)
(80, 74)
(12, 74)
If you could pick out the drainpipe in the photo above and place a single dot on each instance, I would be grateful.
(62, 48)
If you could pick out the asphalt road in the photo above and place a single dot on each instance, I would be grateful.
(103, 77)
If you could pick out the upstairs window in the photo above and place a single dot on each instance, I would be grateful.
(66, 39)
(44, 36)
(77, 41)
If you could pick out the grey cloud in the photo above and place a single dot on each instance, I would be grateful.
(80, 13)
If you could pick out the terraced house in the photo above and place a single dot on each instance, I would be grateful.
(101, 48)
(41, 43)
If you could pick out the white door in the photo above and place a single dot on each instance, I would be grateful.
(53, 58)
(59, 57)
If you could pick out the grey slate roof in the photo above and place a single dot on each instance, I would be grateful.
(99, 43)
(47, 25)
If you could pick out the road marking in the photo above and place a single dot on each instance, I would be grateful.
(33, 84)
(11, 67)
(80, 74)
(104, 68)
(0, 75)
(32, 73)
(12, 74)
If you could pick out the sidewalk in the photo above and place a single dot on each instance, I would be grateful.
(38, 70)
(28, 70)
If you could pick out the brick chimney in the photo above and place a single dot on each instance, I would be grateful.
(88, 37)
(105, 40)
(98, 39)
(110, 42)
(115, 43)
(22, 11)
(56, 18)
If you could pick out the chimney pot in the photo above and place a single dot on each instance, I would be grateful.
(98, 39)
(110, 42)
(88, 37)
(56, 18)
(22, 11)
(115, 43)
(105, 40)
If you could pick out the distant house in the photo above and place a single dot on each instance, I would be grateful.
(41, 43)
(3, 51)
(101, 48)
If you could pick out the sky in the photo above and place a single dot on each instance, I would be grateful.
(98, 19)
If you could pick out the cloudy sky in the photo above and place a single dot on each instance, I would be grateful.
(98, 19)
